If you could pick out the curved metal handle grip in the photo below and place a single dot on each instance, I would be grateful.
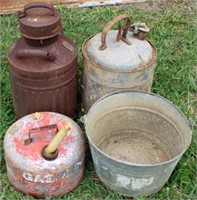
(36, 5)
(24, 53)
(110, 24)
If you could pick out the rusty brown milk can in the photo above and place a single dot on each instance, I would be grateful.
(43, 64)
(116, 60)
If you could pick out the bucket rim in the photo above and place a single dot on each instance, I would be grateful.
(138, 164)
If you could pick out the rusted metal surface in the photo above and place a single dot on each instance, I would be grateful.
(10, 6)
(112, 64)
(139, 30)
(122, 30)
(39, 21)
(28, 170)
(136, 140)
(43, 72)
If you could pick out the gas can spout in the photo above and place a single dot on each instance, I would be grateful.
(50, 152)
(139, 30)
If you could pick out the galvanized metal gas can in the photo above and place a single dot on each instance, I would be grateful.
(43, 64)
(117, 59)
(41, 162)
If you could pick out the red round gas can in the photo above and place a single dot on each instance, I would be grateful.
(44, 154)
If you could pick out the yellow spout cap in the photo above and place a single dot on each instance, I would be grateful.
(53, 145)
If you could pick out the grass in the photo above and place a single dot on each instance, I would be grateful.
(173, 31)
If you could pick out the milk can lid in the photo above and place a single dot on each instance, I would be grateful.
(121, 50)
(39, 21)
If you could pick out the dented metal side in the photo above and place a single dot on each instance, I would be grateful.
(101, 79)
(98, 81)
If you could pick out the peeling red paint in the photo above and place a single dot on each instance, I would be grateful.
(68, 138)
(32, 150)
(29, 172)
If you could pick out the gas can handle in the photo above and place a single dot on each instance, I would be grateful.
(23, 53)
(39, 129)
(36, 5)
(121, 33)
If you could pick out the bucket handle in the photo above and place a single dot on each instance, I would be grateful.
(36, 5)
(121, 33)
(83, 119)
(23, 53)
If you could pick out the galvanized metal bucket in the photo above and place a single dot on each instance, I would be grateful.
(117, 59)
(136, 140)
